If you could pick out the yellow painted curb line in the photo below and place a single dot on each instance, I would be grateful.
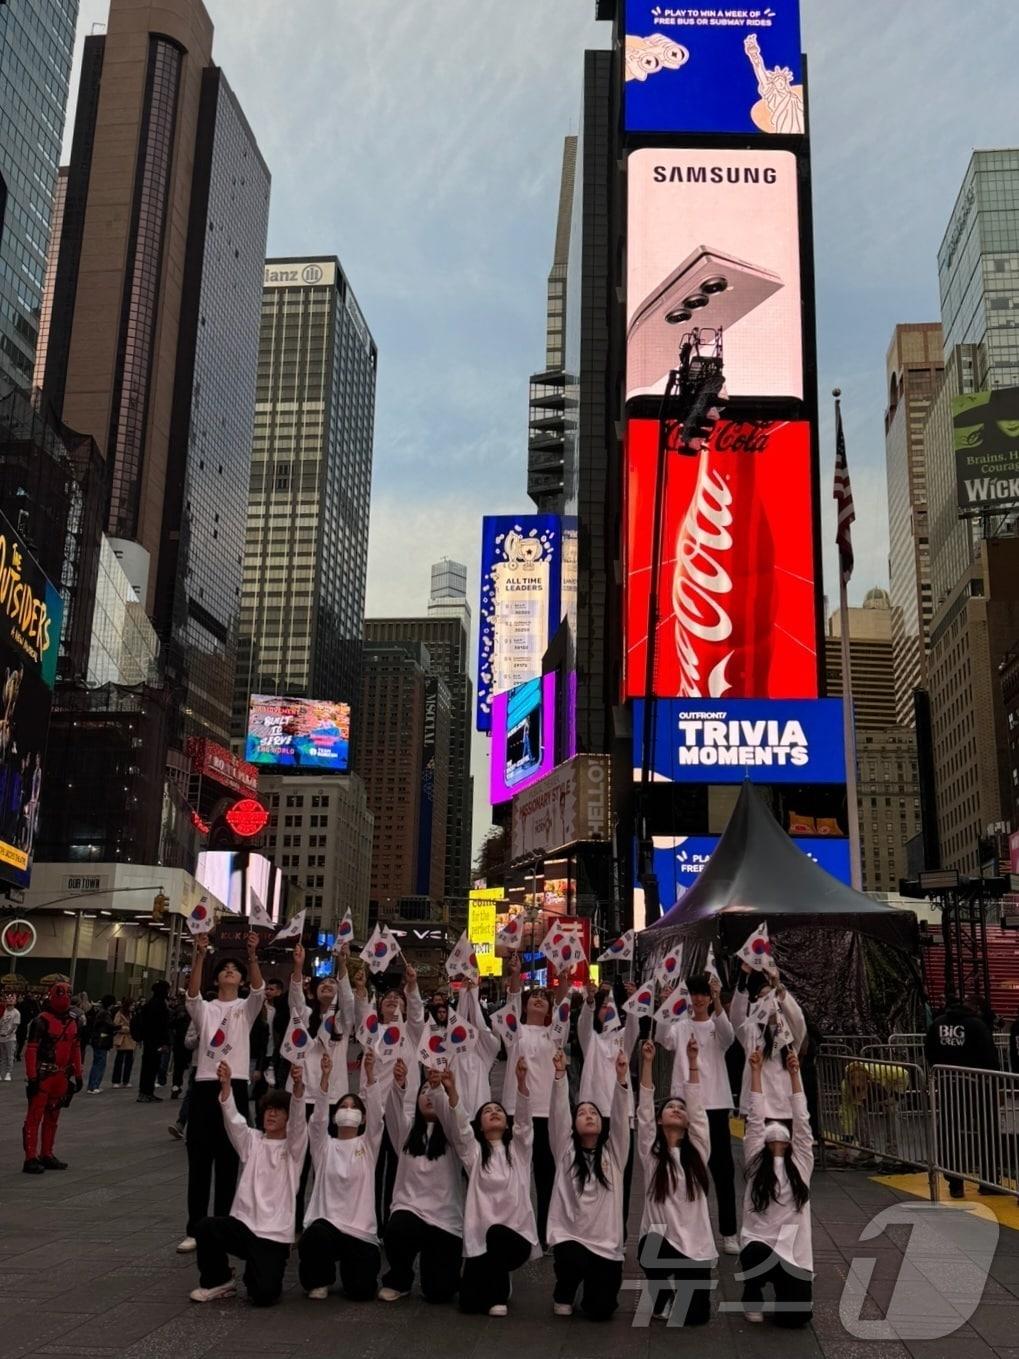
(1003, 1206)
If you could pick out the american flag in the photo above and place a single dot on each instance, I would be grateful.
(843, 493)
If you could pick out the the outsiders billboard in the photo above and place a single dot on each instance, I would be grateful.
(520, 602)
(727, 742)
(736, 590)
(298, 733)
(523, 737)
(31, 612)
(987, 449)
(714, 242)
(714, 68)
(680, 859)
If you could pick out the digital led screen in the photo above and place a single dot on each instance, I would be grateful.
(713, 243)
(520, 602)
(736, 592)
(726, 742)
(298, 733)
(714, 69)
(221, 872)
(523, 737)
(986, 427)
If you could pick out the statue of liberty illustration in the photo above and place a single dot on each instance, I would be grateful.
(780, 109)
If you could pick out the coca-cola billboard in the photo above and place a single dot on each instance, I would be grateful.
(736, 591)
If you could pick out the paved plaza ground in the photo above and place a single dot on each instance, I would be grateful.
(88, 1268)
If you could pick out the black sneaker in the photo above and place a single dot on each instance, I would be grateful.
(957, 1191)
(51, 1163)
(33, 1166)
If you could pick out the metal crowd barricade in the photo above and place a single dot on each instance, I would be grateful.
(874, 1107)
(975, 1125)
(901, 1047)
(849, 1042)
(1001, 1042)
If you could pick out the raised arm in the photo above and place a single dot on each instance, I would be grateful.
(697, 1126)
(449, 1111)
(397, 1113)
(470, 1009)
(297, 1124)
(254, 971)
(318, 1134)
(803, 1136)
(415, 1004)
(299, 1007)
(753, 1136)
(619, 1119)
(793, 1015)
(374, 1122)
(523, 1128)
(197, 963)
(740, 1007)
(585, 1020)
(344, 991)
(237, 1130)
(560, 1128)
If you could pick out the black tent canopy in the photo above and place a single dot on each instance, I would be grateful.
(756, 873)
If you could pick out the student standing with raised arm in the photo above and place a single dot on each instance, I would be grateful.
(260, 1226)
(754, 1015)
(585, 1221)
(224, 1032)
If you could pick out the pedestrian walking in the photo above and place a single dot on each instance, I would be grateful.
(776, 1234)
(103, 1030)
(259, 1228)
(124, 1046)
(10, 1018)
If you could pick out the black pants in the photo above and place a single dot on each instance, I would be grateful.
(322, 1248)
(723, 1171)
(210, 1150)
(122, 1064)
(408, 1237)
(794, 1290)
(543, 1165)
(265, 1261)
(385, 1179)
(690, 1280)
(486, 1278)
(627, 1182)
(150, 1069)
(576, 1267)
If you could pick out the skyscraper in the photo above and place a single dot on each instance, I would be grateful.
(913, 370)
(152, 344)
(36, 49)
(306, 544)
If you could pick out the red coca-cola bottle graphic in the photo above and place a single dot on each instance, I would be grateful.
(723, 586)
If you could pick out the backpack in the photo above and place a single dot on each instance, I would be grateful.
(138, 1023)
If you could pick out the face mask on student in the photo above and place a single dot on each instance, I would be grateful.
(347, 1118)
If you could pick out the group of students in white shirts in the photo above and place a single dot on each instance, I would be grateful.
(460, 1207)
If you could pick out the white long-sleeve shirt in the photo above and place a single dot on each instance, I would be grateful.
(473, 1069)
(685, 1225)
(9, 1021)
(746, 1020)
(339, 1078)
(270, 1173)
(535, 1043)
(431, 1190)
(598, 1074)
(781, 1226)
(385, 1058)
(498, 1194)
(714, 1037)
(232, 1018)
(594, 1217)
(344, 1192)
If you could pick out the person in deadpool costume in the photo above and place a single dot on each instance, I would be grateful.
(53, 1072)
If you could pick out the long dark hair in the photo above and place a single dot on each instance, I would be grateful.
(764, 1182)
(483, 1142)
(588, 1161)
(666, 1176)
(616, 993)
(424, 1139)
(315, 1012)
(357, 1103)
(768, 1044)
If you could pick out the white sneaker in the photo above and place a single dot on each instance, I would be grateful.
(115, 1085)
(499, 1310)
(8, 1076)
(392, 1294)
(754, 1316)
(562, 1309)
(730, 1245)
(186, 1246)
(226, 1290)
(318, 1293)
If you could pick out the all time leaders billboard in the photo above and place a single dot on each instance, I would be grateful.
(520, 602)
(298, 733)
(714, 68)
(736, 590)
(986, 427)
(714, 242)
(31, 612)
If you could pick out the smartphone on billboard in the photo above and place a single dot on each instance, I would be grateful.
(523, 732)
(708, 289)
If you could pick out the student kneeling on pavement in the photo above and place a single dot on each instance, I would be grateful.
(260, 1227)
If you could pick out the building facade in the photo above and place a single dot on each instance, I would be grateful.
(913, 368)
(36, 51)
(306, 541)
(320, 836)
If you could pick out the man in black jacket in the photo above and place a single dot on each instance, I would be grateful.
(155, 1027)
(969, 1119)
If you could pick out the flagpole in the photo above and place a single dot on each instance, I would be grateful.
(848, 724)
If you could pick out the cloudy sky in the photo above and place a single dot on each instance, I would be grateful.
(420, 141)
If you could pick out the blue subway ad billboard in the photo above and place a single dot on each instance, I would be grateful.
(714, 69)
(679, 861)
(763, 740)
(521, 580)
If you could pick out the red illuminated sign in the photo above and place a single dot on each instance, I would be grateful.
(736, 589)
(247, 818)
(217, 763)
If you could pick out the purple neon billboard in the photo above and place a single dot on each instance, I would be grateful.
(523, 737)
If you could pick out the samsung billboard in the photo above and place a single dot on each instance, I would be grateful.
(773, 741)
(714, 69)
(714, 242)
